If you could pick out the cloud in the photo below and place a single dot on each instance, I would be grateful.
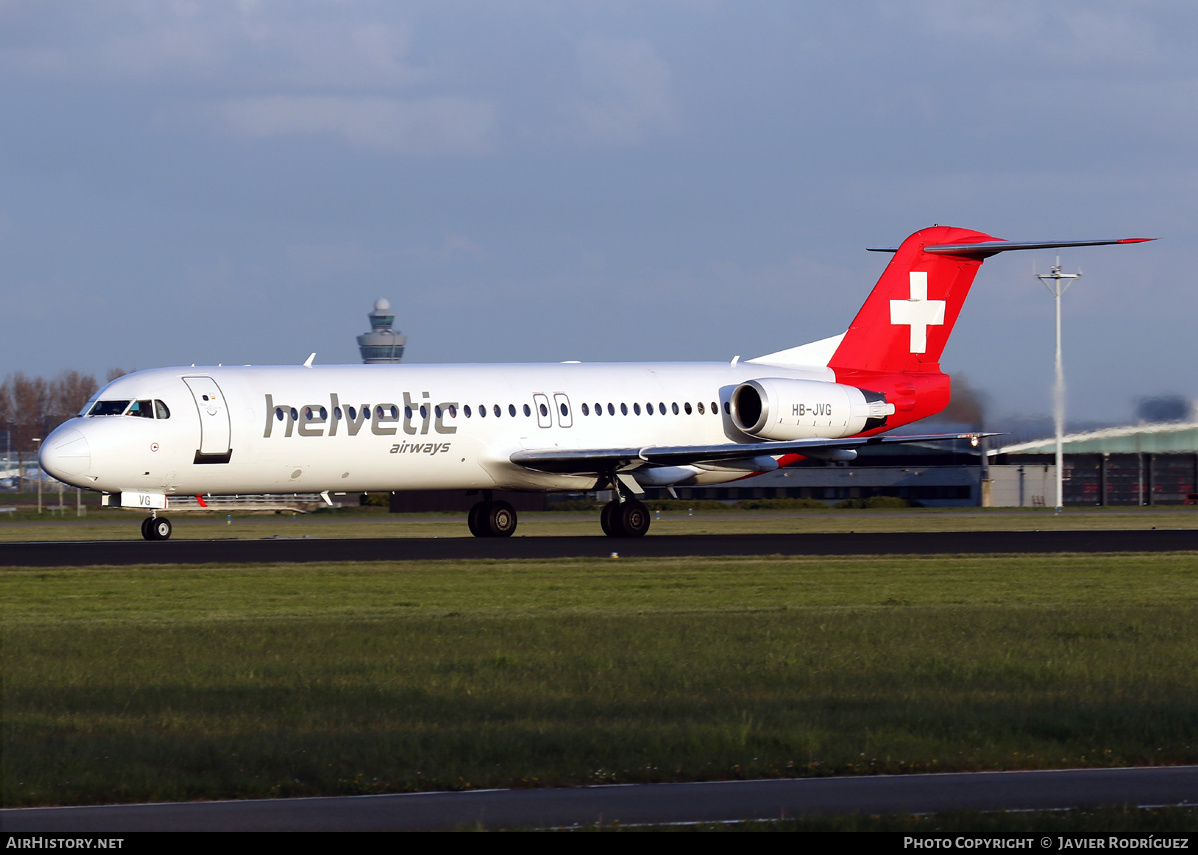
(247, 44)
(423, 127)
(317, 263)
(1087, 35)
(630, 94)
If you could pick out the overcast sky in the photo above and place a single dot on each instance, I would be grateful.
(203, 182)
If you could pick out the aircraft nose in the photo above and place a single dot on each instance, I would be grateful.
(64, 454)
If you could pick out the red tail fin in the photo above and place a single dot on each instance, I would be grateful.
(910, 314)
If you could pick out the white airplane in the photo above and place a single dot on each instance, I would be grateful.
(561, 427)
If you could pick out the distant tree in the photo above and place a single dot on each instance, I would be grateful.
(31, 407)
(968, 405)
(69, 391)
(24, 405)
(1164, 408)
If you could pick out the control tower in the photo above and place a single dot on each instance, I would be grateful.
(382, 345)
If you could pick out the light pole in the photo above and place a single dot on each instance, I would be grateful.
(1057, 284)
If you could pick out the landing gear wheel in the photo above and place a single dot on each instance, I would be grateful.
(145, 528)
(632, 519)
(158, 528)
(475, 520)
(500, 519)
(629, 518)
(607, 519)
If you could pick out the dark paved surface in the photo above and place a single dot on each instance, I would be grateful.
(86, 553)
(646, 803)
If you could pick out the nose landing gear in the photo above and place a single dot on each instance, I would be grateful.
(156, 528)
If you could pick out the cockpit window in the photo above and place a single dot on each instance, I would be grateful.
(143, 409)
(108, 408)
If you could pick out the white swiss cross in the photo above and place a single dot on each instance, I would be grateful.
(918, 312)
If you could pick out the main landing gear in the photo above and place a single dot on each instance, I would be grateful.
(628, 518)
(492, 519)
(156, 528)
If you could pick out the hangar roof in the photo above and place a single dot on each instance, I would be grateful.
(1175, 437)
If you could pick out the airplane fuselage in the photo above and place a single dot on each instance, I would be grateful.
(362, 428)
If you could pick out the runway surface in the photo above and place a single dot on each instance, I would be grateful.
(721, 801)
(307, 550)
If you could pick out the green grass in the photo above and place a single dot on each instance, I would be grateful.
(147, 683)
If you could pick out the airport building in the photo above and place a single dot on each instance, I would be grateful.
(1135, 465)
(947, 474)
(382, 345)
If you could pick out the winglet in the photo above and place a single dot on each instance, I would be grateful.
(308, 361)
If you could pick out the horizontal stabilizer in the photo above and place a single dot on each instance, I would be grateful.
(988, 248)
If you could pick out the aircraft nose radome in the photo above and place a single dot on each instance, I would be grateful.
(65, 454)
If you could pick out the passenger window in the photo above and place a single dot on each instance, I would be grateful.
(544, 410)
(511, 409)
(527, 411)
(586, 411)
(466, 410)
(687, 407)
(675, 407)
(624, 409)
(497, 411)
(700, 405)
(649, 408)
(636, 408)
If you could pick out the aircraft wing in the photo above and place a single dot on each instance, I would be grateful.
(599, 460)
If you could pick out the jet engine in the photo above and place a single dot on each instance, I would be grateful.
(777, 408)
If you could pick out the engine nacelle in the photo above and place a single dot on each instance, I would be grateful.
(776, 408)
